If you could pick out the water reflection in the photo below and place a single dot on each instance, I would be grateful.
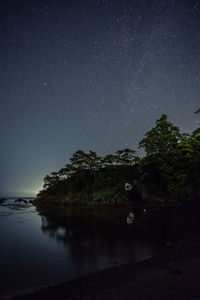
(130, 218)
(99, 237)
(107, 236)
(52, 247)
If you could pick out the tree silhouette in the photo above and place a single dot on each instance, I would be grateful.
(126, 157)
(161, 138)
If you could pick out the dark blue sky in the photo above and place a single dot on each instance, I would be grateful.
(91, 74)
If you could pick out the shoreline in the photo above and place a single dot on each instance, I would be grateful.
(174, 274)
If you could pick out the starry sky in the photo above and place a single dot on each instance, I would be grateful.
(91, 74)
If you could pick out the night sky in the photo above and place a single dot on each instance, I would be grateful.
(91, 74)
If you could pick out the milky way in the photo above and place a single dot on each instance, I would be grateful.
(91, 75)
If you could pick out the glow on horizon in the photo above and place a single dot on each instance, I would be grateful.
(22, 193)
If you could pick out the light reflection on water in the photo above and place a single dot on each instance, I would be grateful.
(37, 250)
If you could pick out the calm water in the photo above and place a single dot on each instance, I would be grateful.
(37, 250)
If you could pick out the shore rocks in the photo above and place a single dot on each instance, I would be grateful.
(2, 200)
(21, 200)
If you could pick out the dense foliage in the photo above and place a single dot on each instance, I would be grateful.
(169, 170)
(90, 179)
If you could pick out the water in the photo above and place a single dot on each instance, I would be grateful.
(37, 250)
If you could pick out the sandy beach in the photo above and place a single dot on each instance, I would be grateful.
(174, 274)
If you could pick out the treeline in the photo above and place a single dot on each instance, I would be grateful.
(171, 166)
(169, 169)
(91, 179)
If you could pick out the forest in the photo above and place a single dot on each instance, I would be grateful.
(169, 170)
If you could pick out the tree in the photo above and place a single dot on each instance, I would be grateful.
(195, 132)
(126, 157)
(51, 180)
(66, 172)
(85, 161)
(78, 160)
(108, 160)
(185, 161)
(93, 161)
(162, 138)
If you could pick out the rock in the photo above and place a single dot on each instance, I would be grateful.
(2, 200)
(19, 200)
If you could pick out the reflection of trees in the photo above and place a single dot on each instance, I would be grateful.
(171, 222)
(90, 237)
(87, 236)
